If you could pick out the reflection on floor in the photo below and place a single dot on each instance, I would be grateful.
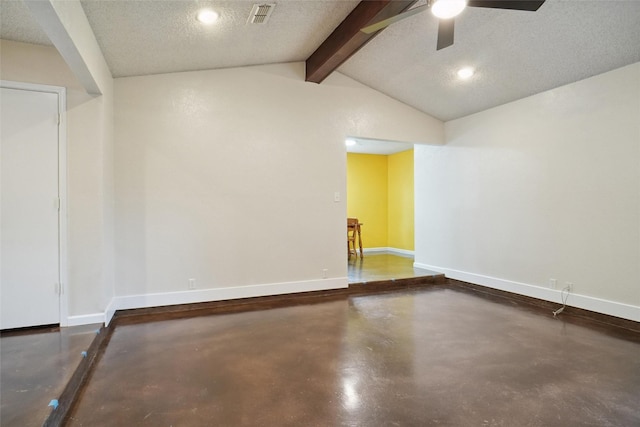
(434, 356)
(36, 366)
(383, 266)
(34, 369)
(442, 354)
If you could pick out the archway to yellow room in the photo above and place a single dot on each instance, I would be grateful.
(380, 194)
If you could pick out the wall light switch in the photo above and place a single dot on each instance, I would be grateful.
(336, 196)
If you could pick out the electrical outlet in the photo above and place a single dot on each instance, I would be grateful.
(553, 284)
(192, 283)
(324, 273)
(569, 286)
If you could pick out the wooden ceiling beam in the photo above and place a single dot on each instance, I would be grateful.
(347, 38)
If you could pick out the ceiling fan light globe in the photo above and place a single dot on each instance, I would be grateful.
(447, 9)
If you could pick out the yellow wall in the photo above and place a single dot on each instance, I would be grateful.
(367, 181)
(400, 199)
(380, 195)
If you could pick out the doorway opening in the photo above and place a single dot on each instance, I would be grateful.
(380, 195)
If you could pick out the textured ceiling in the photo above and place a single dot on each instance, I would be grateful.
(151, 37)
(516, 54)
(17, 24)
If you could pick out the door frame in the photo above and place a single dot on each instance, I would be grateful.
(63, 273)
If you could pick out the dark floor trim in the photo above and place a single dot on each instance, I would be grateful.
(141, 315)
(71, 393)
(395, 285)
(29, 330)
(623, 328)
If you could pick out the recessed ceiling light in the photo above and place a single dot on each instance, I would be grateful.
(350, 142)
(207, 16)
(465, 73)
(445, 9)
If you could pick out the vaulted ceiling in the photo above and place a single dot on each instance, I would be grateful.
(515, 54)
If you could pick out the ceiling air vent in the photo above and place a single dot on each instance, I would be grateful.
(260, 13)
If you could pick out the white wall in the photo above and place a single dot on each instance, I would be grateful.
(228, 177)
(544, 187)
(89, 172)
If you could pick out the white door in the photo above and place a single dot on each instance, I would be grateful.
(29, 225)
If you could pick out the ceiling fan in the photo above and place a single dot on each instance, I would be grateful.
(447, 9)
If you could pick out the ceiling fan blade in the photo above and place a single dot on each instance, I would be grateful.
(399, 17)
(445, 33)
(530, 5)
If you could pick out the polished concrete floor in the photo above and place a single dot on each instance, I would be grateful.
(36, 366)
(439, 356)
(34, 369)
(383, 266)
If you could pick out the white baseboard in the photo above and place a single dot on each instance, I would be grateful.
(374, 250)
(205, 295)
(85, 319)
(215, 294)
(221, 294)
(109, 312)
(404, 252)
(611, 308)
